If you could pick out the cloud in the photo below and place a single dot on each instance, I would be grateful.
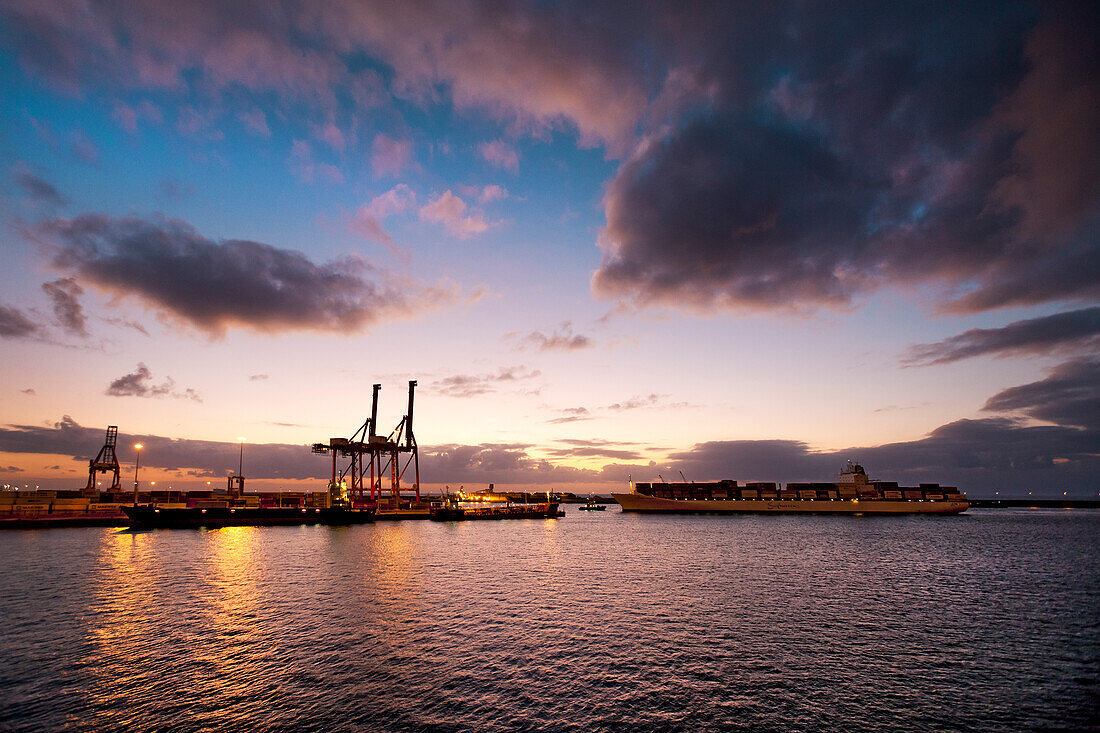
(500, 154)
(176, 190)
(450, 211)
(1069, 396)
(213, 286)
(197, 124)
(389, 156)
(368, 217)
(14, 323)
(255, 121)
(65, 297)
(535, 68)
(139, 383)
(258, 378)
(1059, 332)
(571, 414)
(501, 463)
(470, 385)
(332, 135)
(203, 458)
(484, 194)
(635, 402)
(302, 164)
(800, 162)
(577, 448)
(561, 339)
(28, 391)
(127, 117)
(40, 190)
(976, 455)
(82, 148)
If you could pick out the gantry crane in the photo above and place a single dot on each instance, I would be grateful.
(105, 461)
(372, 455)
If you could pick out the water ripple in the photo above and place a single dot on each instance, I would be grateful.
(606, 622)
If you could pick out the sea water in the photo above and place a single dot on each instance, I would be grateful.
(597, 621)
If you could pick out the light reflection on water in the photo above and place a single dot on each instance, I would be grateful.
(595, 622)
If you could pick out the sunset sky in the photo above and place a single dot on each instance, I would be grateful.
(734, 240)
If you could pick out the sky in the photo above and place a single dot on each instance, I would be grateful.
(718, 240)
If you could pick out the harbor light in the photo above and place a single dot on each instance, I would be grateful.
(137, 465)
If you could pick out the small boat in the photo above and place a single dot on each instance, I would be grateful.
(591, 506)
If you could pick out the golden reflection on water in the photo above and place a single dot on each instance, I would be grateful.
(133, 627)
(123, 591)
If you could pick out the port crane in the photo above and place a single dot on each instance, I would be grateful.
(106, 461)
(373, 456)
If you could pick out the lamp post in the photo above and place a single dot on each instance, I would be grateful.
(137, 465)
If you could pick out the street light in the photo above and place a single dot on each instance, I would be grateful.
(137, 464)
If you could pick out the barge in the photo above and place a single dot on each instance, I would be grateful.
(852, 493)
(154, 517)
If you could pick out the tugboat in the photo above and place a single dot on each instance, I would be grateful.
(591, 506)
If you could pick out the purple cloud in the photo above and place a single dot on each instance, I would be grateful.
(14, 323)
(803, 161)
(500, 154)
(39, 189)
(471, 385)
(368, 218)
(212, 286)
(139, 383)
(1078, 329)
(1069, 396)
(389, 156)
(450, 211)
(303, 165)
(65, 297)
(561, 338)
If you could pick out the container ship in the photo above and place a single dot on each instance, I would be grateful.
(852, 493)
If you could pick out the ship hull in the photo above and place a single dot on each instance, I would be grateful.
(149, 517)
(644, 503)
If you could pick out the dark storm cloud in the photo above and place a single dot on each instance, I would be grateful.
(14, 323)
(818, 153)
(38, 188)
(1069, 396)
(1062, 331)
(213, 286)
(65, 295)
(139, 383)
